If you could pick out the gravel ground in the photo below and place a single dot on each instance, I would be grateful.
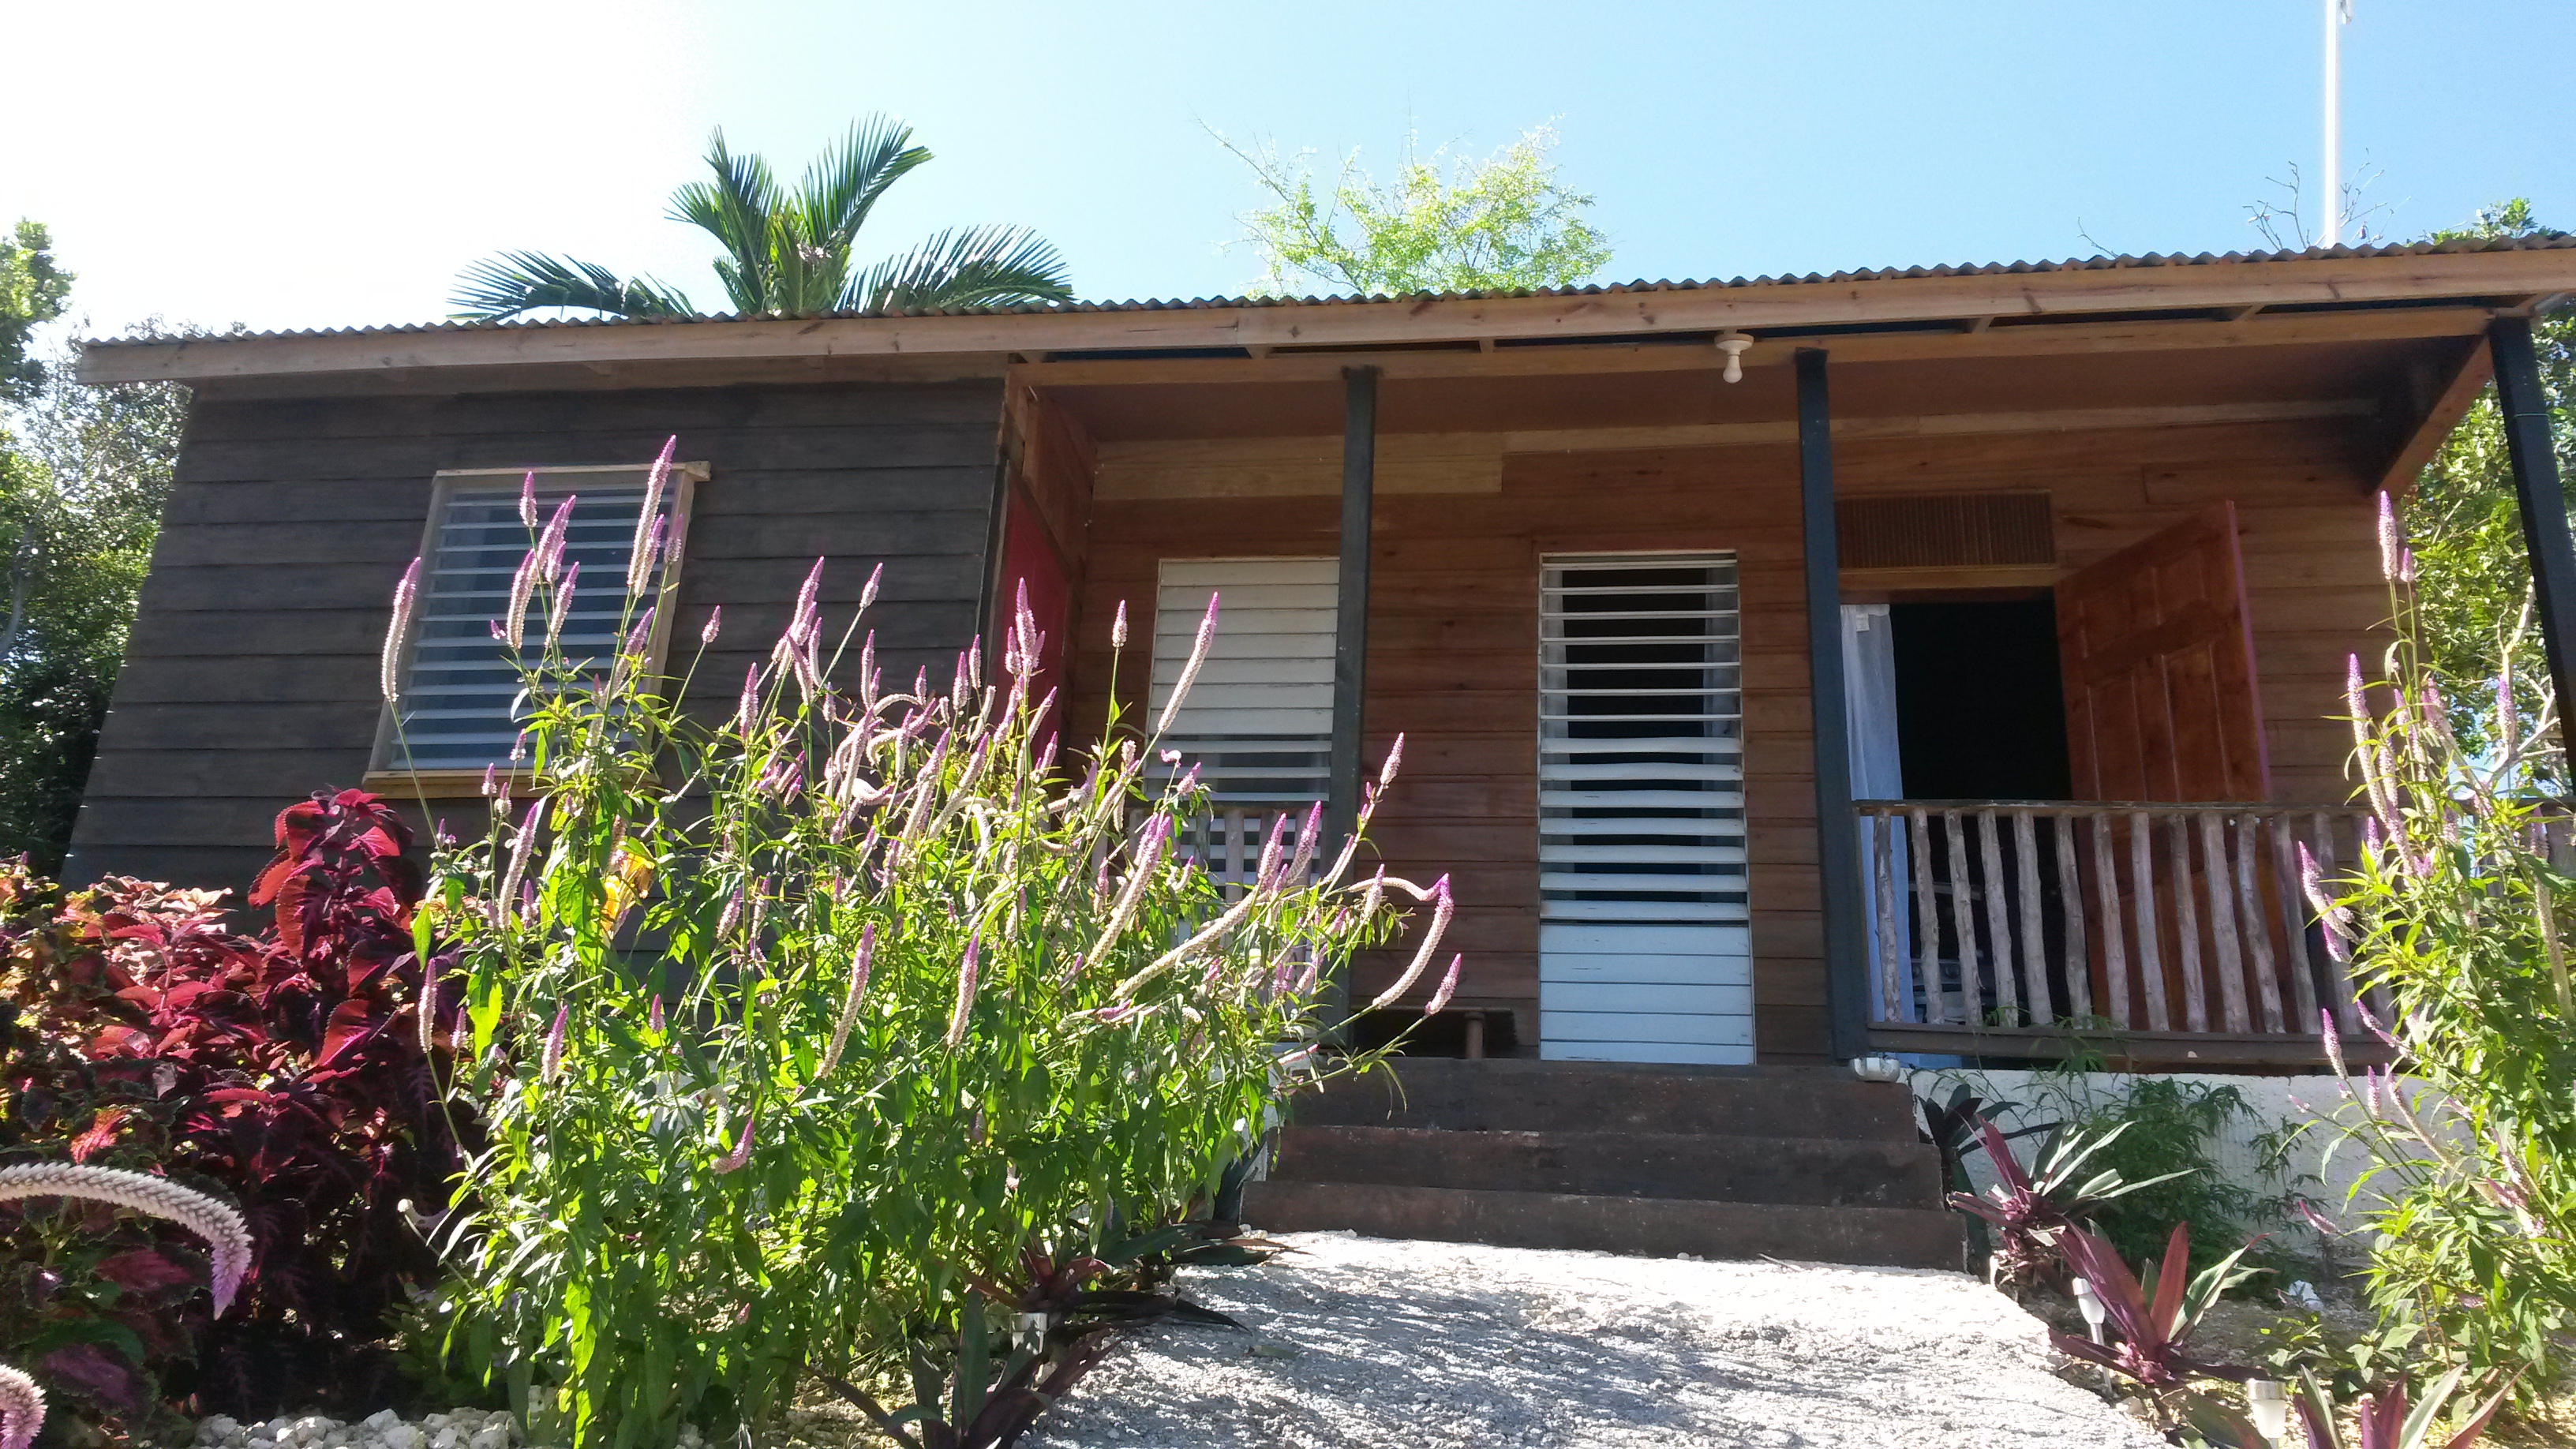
(1366, 1341)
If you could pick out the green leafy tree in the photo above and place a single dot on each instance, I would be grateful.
(83, 476)
(2474, 577)
(791, 252)
(1445, 224)
(32, 292)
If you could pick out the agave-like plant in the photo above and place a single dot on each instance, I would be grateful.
(2150, 1330)
(791, 252)
(2384, 1421)
(22, 1404)
(2029, 1207)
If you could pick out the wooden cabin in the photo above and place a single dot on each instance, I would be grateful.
(1944, 661)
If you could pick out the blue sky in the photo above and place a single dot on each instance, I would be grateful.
(329, 165)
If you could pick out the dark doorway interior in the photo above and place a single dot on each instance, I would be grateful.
(1979, 713)
(1980, 716)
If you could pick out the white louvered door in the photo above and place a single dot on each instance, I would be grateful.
(1644, 946)
(1259, 720)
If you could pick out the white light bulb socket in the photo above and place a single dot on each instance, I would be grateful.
(1733, 345)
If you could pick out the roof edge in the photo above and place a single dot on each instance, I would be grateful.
(2344, 277)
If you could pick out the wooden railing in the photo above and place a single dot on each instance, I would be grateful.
(2152, 917)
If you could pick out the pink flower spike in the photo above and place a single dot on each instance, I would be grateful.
(642, 633)
(2406, 566)
(803, 621)
(1448, 987)
(735, 1160)
(528, 501)
(1118, 627)
(2308, 1213)
(1394, 759)
(868, 593)
(406, 607)
(555, 1042)
(22, 1409)
(715, 621)
(2354, 701)
(653, 1014)
(550, 544)
(2371, 1024)
(746, 715)
(2388, 542)
(2333, 1042)
(965, 994)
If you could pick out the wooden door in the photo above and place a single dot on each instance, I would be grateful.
(2158, 660)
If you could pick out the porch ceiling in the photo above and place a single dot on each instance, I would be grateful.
(1680, 386)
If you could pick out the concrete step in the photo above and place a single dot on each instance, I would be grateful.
(1645, 1227)
(1533, 1096)
(1776, 1170)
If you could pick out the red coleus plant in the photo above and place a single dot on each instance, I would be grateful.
(286, 1068)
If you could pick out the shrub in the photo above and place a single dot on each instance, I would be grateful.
(284, 1070)
(811, 1037)
(2165, 1129)
(2455, 912)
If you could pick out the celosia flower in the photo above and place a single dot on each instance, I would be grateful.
(2333, 1041)
(214, 1221)
(520, 845)
(562, 610)
(653, 1014)
(1271, 850)
(715, 621)
(868, 591)
(741, 1154)
(528, 501)
(1190, 668)
(639, 558)
(1442, 908)
(550, 544)
(523, 587)
(22, 1409)
(491, 781)
(1312, 831)
(2406, 566)
(2356, 705)
(406, 605)
(746, 713)
(553, 1058)
(1448, 987)
(2508, 719)
(642, 632)
(1394, 759)
(1118, 627)
(2388, 541)
(965, 994)
(2308, 1213)
(850, 1004)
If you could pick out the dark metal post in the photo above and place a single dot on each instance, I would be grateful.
(1838, 865)
(1350, 619)
(2536, 488)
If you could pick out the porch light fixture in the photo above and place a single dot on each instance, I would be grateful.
(2090, 1304)
(1733, 345)
(2267, 1403)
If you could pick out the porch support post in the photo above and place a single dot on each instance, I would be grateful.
(1350, 620)
(1837, 844)
(2536, 488)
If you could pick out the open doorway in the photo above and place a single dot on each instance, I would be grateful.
(1980, 716)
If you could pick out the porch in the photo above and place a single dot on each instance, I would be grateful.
(1603, 595)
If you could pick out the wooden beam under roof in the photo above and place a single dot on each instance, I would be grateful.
(2466, 382)
(1940, 301)
(2062, 339)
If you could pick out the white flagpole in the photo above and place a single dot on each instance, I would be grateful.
(2338, 13)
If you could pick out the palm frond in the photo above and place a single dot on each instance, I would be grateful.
(843, 184)
(736, 209)
(972, 267)
(516, 282)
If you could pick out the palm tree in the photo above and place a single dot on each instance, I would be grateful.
(789, 252)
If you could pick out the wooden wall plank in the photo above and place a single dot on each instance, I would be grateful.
(250, 678)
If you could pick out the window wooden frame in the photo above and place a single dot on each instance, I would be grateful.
(679, 497)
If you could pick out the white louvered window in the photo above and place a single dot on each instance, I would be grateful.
(1259, 720)
(459, 684)
(1644, 946)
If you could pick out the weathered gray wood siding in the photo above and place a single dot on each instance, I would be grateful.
(250, 679)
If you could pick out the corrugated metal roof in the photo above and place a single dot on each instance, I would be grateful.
(2550, 241)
